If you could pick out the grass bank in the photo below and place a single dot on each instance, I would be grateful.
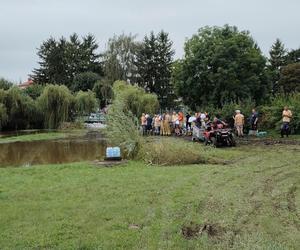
(41, 135)
(251, 203)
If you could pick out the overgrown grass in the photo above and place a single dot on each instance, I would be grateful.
(252, 203)
(170, 151)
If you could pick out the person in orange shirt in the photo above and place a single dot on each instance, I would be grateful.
(180, 119)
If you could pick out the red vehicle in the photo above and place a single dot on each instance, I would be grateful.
(217, 134)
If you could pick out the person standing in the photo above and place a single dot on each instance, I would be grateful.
(286, 119)
(143, 123)
(167, 122)
(239, 121)
(254, 121)
(188, 124)
(157, 124)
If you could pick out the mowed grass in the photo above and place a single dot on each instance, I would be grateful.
(251, 203)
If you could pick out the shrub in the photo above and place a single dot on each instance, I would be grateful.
(272, 113)
(170, 151)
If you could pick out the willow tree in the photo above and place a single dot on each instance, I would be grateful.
(122, 120)
(3, 115)
(55, 103)
(86, 102)
(19, 107)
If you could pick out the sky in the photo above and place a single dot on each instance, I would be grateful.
(25, 24)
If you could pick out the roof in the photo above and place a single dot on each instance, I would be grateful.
(26, 84)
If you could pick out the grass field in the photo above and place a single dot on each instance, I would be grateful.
(251, 203)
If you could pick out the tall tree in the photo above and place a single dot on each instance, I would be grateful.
(276, 61)
(220, 65)
(289, 81)
(120, 57)
(61, 60)
(293, 56)
(154, 64)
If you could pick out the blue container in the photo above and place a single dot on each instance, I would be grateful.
(116, 152)
(109, 152)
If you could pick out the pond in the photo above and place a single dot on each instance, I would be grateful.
(87, 148)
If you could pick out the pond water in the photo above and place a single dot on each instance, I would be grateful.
(87, 148)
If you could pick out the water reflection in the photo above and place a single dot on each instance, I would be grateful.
(53, 151)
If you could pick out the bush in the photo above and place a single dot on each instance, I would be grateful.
(170, 151)
(272, 113)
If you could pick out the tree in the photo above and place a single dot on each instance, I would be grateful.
(120, 58)
(290, 78)
(85, 81)
(3, 115)
(19, 108)
(220, 65)
(154, 63)
(55, 103)
(277, 60)
(293, 56)
(61, 60)
(5, 84)
(34, 91)
(104, 92)
(86, 102)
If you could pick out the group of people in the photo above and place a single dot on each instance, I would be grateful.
(177, 123)
(164, 124)
(239, 122)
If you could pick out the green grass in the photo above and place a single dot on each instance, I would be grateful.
(38, 136)
(253, 203)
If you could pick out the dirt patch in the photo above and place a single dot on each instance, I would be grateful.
(193, 230)
(109, 164)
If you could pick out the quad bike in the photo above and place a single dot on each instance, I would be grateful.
(219, 136)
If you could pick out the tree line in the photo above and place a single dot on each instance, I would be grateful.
(221, 67)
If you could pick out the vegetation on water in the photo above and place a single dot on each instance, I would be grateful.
(251, 203)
